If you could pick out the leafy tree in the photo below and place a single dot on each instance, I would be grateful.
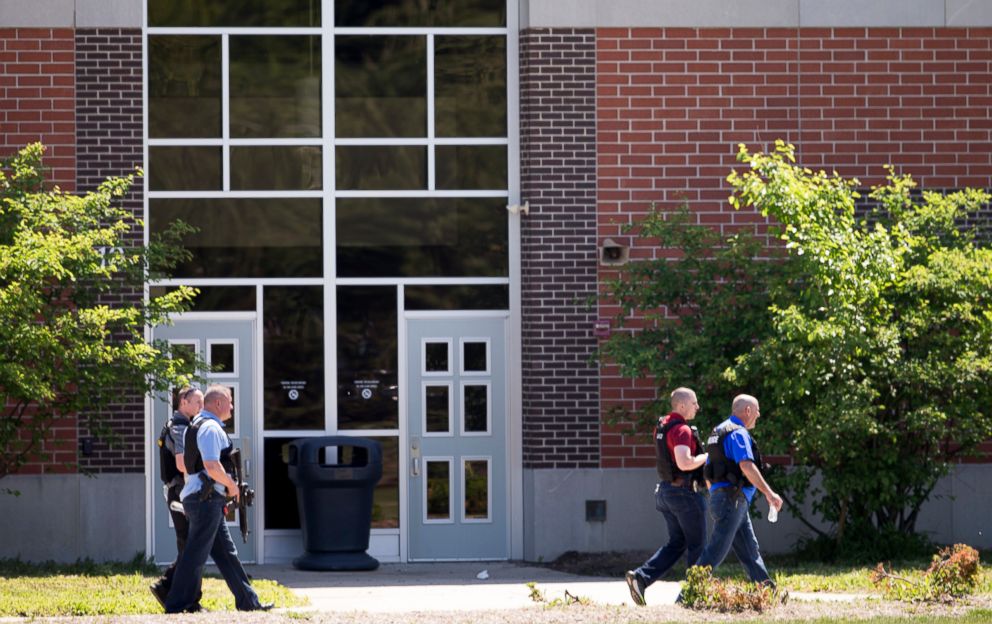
(879, 362)
(867, 338)
(63, 353)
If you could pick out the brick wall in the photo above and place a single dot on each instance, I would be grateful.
(558, 245)
(109, 129)
(673, 103)
(37, 90)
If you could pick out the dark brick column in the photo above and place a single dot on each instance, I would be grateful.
(108, 143)
(558, 246)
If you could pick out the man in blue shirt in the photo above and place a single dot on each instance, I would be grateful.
(734, 471)
(208, 534)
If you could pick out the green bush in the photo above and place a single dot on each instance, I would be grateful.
(954, 572)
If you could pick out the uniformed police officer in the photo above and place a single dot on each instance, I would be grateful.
(679, 462)
(203, 497)
(171, 446)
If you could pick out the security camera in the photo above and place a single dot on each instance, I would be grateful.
(612, 253)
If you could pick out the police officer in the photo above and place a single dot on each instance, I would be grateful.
(679, 462)
(171, 446)
(208, 461)
(734, 472)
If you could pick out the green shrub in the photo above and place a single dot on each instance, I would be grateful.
(954, 572)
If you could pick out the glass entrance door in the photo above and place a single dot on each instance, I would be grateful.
(228, 346)
(457, 423)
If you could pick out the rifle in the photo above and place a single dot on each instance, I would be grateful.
(246, 495)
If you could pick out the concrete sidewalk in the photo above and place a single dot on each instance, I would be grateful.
(450, 587)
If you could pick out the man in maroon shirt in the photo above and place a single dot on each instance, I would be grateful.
(680, 461)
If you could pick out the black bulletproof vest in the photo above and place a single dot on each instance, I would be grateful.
(191, 456)
(167, 452)
(668, 468)
(720, 468)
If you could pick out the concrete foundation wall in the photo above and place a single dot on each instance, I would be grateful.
(960, 510)
(67, 517)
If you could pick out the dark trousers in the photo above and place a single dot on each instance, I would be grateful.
(181, 525)
(685, 515)
(732, 530)
(208, 537)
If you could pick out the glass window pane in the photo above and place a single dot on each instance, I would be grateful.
(456, 297)
(418, 13)
(470, 85)
(276, 168)
(367, 358)
(476, 408)
(275, 86)
(231, 424)
(381, 167)
(281, 507)
(184, 168)
(220, 356)
(460, 167)
(184, 84)
(438, 490)
(217, 298)
(184, 352)
(386, 496)
(436, 357)
(234, 13)
(293, 338)
(437, 409)
(380, 86)
(422, 237)
(245, 237)
(475, 357)
(477, 489)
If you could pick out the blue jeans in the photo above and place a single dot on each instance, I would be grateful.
(732, 529)
(208, 536)
(685, 515)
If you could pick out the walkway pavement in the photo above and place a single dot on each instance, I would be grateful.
(412, 587)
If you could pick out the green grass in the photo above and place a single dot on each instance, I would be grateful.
(87, 588)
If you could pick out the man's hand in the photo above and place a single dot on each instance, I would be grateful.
(775, 501)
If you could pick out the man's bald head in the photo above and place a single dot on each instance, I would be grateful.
(745, 407)
(684, 402)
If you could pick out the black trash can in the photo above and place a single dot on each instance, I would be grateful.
(335, 500)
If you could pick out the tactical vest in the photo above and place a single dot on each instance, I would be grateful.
(191, 456)
(668, 468)
(167, 453)
(721, 468)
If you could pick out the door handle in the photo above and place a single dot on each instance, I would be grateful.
(247, 469)
(415, 467)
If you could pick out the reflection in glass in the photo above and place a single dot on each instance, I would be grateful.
(438, 490)
(184, 168)
(185, 353)
(221, 357)
(462, 167)
(184, 85)
(437, 409)
(380, 237)
(284, 13)
(293, 341)
(386, 496)
(470, 85)
(476, 408)
(380, 86)
(436, 357)
(279, 237)
(477, 489)
(477, 13)
(475, 358)
(496, 297)
(216, 298)
(276, 168)
(367, 358)
(231, 424)
(275, 86)
(381, 167)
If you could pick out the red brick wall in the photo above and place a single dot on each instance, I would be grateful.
(37, 96)
(672, 105)
(558, 248)
(37, 102)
